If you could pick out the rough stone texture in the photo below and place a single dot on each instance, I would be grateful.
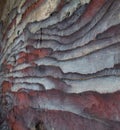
(60, 65)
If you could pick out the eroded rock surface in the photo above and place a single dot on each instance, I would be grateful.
(60, 65)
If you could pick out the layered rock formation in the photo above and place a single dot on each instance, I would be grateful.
(59, 65)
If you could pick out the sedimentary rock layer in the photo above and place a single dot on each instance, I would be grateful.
(60, 65)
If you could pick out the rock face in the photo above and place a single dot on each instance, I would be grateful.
(60, 65)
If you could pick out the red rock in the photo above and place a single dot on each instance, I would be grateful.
(31, 8)
(55, 109)
(6, 86)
